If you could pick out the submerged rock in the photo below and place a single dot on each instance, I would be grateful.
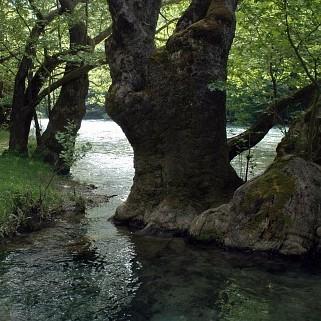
(279, 211)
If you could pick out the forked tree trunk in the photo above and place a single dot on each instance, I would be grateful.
(22, 108)
(25, 97)
(174, 122)
(70, 106)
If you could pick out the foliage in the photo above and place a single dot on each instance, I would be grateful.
(262, 64)
(18, 18)
(167, 20)
(67, 138)
(100, 80)
(22, 182)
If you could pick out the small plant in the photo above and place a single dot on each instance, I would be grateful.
(80, 202)
(25, 213)
(71, 153)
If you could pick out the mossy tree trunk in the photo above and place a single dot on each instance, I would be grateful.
(174, 122)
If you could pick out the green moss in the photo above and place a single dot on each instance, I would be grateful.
(266, 198)
(211, 236)
(160, 56)
(4, 138)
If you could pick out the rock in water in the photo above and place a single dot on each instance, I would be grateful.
(279, 211)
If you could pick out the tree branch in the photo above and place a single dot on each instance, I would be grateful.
(169, 22)
(268, 119)
(64, 80)
(35, 10)
(102, 36)
(296, 48)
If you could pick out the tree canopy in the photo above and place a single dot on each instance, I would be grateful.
(262, 65)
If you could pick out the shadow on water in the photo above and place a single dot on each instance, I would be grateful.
(181, 282)
(85, 268)
(89, 270)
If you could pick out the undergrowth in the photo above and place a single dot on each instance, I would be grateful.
(25, 197)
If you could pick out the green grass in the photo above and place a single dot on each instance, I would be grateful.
(4, 139)
(23, 192)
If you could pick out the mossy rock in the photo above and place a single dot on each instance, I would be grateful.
(278, 211)
(266, 197)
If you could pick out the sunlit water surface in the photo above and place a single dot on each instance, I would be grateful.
(84, 268)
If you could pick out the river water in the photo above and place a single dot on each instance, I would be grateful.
(84, 268)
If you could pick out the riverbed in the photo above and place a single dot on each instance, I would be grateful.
(84, 268)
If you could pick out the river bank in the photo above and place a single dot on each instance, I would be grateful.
(33, 196)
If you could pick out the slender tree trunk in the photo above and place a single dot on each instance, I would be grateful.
(24, 102)
(21, 114)
(174, 122)
(2, 108)
(70, 106)
(21, 111)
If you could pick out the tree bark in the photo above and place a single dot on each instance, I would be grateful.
(70, 106)
(162, 101)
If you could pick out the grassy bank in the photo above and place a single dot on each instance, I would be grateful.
(26, 200)
(4, 139)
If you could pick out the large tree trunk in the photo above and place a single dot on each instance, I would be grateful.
(280, 210)
(70, 107)
(175, 124)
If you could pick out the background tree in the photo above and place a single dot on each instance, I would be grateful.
(49, 53)
(70, 106)
(23, 96)
(273, 71)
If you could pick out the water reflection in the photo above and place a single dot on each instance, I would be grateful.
(183, 282)
(69, 272)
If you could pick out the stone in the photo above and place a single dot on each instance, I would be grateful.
(279, 211)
